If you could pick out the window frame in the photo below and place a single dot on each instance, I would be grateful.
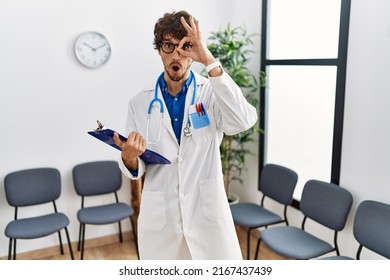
(340, 63)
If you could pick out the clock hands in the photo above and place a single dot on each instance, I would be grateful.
(94, 49)
(100, 46)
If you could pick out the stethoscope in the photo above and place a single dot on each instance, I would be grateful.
(187, 131)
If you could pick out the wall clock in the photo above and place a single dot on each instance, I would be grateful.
(92, 49)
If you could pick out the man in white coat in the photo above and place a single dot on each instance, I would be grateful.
(184, 209)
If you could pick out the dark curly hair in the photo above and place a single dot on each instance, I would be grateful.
(170, 25)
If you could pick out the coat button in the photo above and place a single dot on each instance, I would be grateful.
(180, 159)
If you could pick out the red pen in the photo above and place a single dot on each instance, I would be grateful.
(198, 108)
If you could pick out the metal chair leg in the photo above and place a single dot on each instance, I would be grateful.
(82, 242)
(61, 246)
(257, 248)
(120, 232)
(10, 248)
(79, 243)
(248, 243)
(69, 244)
(15, 248)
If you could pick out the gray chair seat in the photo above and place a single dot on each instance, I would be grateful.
(30, 228)
(253, 215)
(293, 242)
(104, 214)
(337, 258)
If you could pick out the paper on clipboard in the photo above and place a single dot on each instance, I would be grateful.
(106, 135)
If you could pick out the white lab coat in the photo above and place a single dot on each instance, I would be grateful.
(184, 210)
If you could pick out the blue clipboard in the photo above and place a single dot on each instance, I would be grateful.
(106, 135)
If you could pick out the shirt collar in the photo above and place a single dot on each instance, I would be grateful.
(186, 85)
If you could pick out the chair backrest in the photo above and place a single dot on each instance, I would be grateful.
(372, 227)
(32, 186)
(326, 203)
(278, 182)
(97, 177)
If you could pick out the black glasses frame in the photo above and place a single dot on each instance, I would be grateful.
(187, 46)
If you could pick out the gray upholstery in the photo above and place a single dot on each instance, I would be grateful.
(34, 187)
(251, 215)
(30, 228)
(325, 203)
(94, 179)
(97, 178)
(294, 243)
(371, 229)
(104, 214)
(337, 258)
(276, 182)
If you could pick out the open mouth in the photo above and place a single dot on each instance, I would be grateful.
(175, 68)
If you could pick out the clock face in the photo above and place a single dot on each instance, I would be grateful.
(92, 49)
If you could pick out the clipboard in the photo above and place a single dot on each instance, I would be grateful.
(106, 135)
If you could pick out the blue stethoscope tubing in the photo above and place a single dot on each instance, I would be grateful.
(159, 101)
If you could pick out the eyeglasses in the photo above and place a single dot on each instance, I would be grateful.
(169, 47)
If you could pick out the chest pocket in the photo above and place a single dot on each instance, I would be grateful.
(203, 126)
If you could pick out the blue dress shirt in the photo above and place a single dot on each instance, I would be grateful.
(175, 105)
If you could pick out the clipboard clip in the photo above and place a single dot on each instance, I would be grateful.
(100, 126)
(106, 135)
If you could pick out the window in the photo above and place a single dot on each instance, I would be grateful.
(304, 45)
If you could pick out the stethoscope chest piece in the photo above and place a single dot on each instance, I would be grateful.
(187, 131)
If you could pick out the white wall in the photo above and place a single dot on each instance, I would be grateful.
(49, 101)
(366, 152)
(366, 137)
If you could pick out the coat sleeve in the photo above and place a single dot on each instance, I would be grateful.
(233, 111)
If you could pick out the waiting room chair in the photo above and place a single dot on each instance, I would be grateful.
(277, 183)
(94, 179)
(371, 229)
(33, 187)
(325, 203)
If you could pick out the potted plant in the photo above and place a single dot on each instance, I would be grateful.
(231, 47)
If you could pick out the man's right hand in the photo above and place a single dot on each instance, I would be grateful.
(131, 149)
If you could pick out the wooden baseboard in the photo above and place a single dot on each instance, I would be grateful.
(54, 251)
(89, 243)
